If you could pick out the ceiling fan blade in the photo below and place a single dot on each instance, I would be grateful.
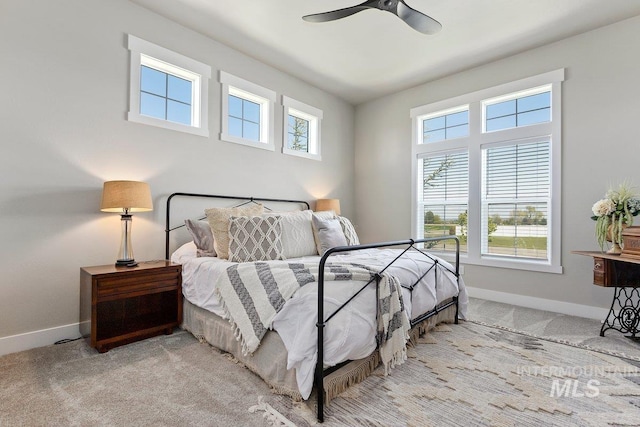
(417, 20)
(340, 13)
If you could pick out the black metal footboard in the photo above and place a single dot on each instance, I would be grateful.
(410, 245)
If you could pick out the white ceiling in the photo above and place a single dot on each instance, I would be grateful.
(373, 53)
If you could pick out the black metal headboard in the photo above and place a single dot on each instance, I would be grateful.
(243, 200)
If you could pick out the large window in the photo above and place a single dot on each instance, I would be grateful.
(489, 173)
(167, 89)
(247, 113)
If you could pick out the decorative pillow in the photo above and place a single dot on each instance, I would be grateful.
(219, 222)
(255, 238)
(297, 234)
(349, 231)
(202, 237)
(328, 233)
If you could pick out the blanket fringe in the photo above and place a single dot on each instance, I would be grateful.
(237, 332)
(339, 381)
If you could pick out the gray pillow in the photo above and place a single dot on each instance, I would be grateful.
(202, 237)
(328, 233)
(255, 238)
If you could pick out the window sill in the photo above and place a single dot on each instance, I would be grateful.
(302, 154)
(152, 121)
(538, 267)
(247, 142)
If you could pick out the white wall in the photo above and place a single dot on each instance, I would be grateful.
(63, 130)
(601, 108)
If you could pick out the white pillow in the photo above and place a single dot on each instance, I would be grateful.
(328, 233)
(297, 234)
(255, 238)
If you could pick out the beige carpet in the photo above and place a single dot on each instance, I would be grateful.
(468, 374)
(170, 380)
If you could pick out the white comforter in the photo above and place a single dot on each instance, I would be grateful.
(351, 333)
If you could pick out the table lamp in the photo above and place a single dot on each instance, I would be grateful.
(328, 205)
(126, 197)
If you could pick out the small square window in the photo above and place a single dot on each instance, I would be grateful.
(247, 113)
(167, 89)
(302, 124)
(165, 96)
(244, 118)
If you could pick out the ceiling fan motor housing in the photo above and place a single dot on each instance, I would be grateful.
(389, 5)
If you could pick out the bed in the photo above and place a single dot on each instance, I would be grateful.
(373, 298)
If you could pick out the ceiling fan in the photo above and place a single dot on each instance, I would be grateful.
(416, 20)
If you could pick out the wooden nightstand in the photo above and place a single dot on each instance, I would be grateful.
(119, 305)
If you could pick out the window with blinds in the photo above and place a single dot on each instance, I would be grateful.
(445, 196)
(516, 196)
(487, 169)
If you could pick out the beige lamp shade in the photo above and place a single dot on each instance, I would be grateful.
(130, 196)
(328, 205)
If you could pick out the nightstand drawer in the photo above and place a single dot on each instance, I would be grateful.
(130, 285)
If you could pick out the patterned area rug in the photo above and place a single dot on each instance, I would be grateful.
(459, 375)
(475, 375)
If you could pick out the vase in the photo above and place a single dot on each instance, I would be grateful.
(612, 236)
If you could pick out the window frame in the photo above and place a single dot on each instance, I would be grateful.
(313, 116)
(167, 61)
(265, 98)
(479, 139)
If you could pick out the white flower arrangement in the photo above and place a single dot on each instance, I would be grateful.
(615, 211)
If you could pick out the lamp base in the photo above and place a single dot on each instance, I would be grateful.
(126, 263)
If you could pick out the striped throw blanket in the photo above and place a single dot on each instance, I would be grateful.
(252, 293)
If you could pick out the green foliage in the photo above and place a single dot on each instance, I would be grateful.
(431, 218)
(444, 165)
(299, 130)
(462, 222)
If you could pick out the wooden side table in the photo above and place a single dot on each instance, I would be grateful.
(623, 274)
(119, 305)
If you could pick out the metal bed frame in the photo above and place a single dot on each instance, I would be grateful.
(411, 244)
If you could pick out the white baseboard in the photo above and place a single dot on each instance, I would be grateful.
(540, 303)
(29, 340)
(49, 336)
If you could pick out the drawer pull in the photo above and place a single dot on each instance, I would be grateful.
(598, 265)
